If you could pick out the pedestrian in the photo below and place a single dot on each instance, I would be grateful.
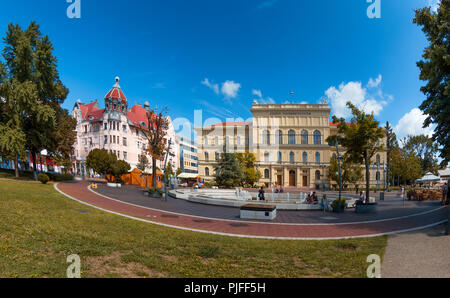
(261, 194)
(445, 194)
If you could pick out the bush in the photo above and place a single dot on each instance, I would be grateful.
(152, 190)
(338, 204)
(60, 177)
(43, 178)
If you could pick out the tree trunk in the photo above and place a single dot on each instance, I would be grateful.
(34, 155)
(16, 166)
(367, 164)
(154, 172)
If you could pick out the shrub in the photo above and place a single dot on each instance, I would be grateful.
(338, 204)
(43, 178)
(155, 190)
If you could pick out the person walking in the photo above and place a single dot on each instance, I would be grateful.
(445, 194)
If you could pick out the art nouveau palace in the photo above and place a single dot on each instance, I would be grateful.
(114, 128)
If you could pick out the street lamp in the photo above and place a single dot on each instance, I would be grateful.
(339, 166)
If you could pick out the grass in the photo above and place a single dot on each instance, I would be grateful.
(39, 228)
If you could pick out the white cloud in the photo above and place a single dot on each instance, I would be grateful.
(267, 101)
(412, 124)
(257, 93)
(230, 89)
(434, 4)
(214, 87)
(374, 83)
(368, 101)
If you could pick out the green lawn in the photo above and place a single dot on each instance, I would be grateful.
(39, 228)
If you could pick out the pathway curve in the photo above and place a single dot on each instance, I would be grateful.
(234, 227)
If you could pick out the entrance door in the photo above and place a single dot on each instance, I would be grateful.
(292, 178)
(279, 180)
(305, 181)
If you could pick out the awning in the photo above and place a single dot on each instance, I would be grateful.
(188, 176)
(429, 177)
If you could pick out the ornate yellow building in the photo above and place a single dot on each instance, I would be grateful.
(288, 141)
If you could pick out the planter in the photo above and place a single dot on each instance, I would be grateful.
(366, 208)
(339, 210)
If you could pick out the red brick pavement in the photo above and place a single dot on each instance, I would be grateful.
(80, 192)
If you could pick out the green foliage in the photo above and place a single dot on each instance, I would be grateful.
(351, 173)
(247, 164)
(143, 162)
(118, 167)
(99, 160)
(435, 70)
(361, 139)
(227, 171)
(338, 204)
(406, 165)
(43, 178)
(425, 149)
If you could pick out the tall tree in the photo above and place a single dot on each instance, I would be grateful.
(361, 139)
(227, 170)
(156, 133)
(435, 70)
(425, 149)
(31, 68)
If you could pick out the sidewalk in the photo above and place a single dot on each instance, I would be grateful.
(422, 254)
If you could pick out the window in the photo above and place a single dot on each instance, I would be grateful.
(85, 129)
(227, 141)
(110, 139)
(279, 137)
(137, 132)
(125, 142)
(217, 156)
(304, 137)
(317, 175)
(317, 157)
(216, 141)
(317, 138)
(106, 140)
(114, 139)
(105, 125)
(124, 128)
(378, 159)
(305, 157)
(266, 174)
(206, 140)
(206, 156)
(378, 176)
(291, 137)
(280, 157)
(206, 171)
(118, 154)
(239, 140)
(125, 155)
(266, 157)
(292, 157)
(266, 137)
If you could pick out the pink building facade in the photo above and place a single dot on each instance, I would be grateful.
(114, 128)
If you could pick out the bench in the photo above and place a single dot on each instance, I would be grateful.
(255, 211)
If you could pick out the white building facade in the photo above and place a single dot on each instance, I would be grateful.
(114, 128)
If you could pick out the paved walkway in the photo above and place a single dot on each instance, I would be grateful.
(420, 254)
(235, 227)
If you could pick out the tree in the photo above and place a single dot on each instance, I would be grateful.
(247, 164)
(405, 165)
(351, 173)
(33, 87)
(143, 162)
(391, 145)
(100, 161)
(169, 170)
(425, 149)
(360, 139)
(435, 70)
(118, 167)
(155, 134)
(227, 171)
(64, 138)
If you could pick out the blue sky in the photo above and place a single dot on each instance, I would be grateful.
(219, 55)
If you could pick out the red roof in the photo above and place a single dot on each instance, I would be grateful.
(116, 93)
(137, 115)
(91, 111)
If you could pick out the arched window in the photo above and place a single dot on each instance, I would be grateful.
(305, 157)
(266, 174)
(280, 157)
(317, 138)
(304, 137)
(291, 137)
(317, 157)
(206, 156)
(378, 159)
(378, 176)
(279, 137)
(206, 171)
(266, 137)
(292, 157)
(266, 157)
(317, 175)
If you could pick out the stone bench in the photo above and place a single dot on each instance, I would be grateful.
(255, 211)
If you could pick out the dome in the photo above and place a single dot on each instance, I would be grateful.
(116, 93)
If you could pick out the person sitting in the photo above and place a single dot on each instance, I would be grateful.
(261, 194)
(315, 198)
(281, 189)
(309, 199)
(361, 199)
(277, 190)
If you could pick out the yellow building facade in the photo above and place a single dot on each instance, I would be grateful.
(289, 142)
